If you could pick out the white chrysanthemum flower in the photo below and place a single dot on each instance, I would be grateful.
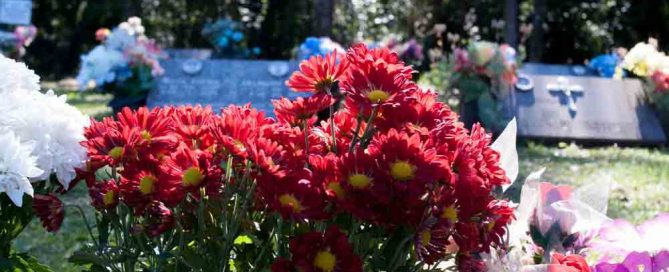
(52, 126)
(16, 77)
(17, 165)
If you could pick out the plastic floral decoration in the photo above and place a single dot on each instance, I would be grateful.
(482, 75)
(392, 181)
(644, 61)
(40, 153)
(15, 43)
(228, 39)
(607, 65)
(317, 46)
(124, 64)
(410, 51)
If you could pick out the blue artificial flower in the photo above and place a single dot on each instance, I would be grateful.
(256, 50)
(310, 47)
(605, 64)
(223, 42)
(237, 36)
(228, 32)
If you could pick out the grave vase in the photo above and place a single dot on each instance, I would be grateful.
(131, 92)
(491, 108)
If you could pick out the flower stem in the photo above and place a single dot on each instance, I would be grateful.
(355, 134)
(332, 126)
(370, 128)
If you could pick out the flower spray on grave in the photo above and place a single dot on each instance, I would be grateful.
(14, 44)
(125, 64)
(483, 74)
(228, 39)
(646, 62)
(391, 182)
(39, 154)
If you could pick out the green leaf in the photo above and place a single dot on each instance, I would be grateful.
(22, 262)
(243, 240)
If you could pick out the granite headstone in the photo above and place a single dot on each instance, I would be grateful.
(584, 109)
(16, 12)
(219, 83)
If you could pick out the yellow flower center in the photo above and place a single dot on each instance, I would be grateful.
(337, 189)
(109, 198)
(146, 184)
(325, 261)
(402, 171)
(146, 135)
(425, 237)
(325, 84)
(116, 152)
(359, 181)
(377, 96)
(641, 268)
(290, 201)
(450, 213)
(192, 177)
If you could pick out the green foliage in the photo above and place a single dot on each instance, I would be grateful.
(22, 262)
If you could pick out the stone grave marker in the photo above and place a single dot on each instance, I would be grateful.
(584, 109)
(16, 12)
(220, 83)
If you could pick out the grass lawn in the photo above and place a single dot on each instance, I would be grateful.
(639, 177)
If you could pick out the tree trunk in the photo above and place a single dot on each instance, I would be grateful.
(537, 39)
(511, 23)
(323, 10)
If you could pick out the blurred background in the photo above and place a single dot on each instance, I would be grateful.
(549, 31)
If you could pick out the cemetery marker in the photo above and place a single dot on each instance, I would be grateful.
(608, 111)
(219, 83)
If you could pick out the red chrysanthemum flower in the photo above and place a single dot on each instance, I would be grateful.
(373, 81)
(318, 73)
(400, 171)
(296, 196)
(187, 170)
(158, 218)
(104, 195)
(192, 125)
(49, 209)
(154, 129)
(108, 144)
(267, 155)
(325, 170)
(296, 112)
(292, 141)
(320, 252)
(467, 263)
(431, 239)
(478, 173)
(139, 187)
(421, 114)
(236, 127)
(345, 125)
(499, 214)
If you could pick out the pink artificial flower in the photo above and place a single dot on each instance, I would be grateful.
(661, 81)
(620, 238)
(102, 34)
(638, 261)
